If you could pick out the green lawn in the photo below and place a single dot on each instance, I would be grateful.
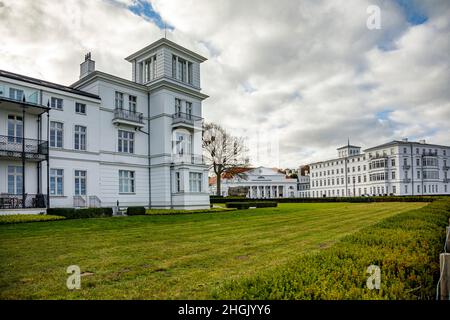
(170, 257)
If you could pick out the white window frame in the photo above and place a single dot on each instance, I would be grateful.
(79, 107)
(195, 181)
(118, 100)
(82, 137)
(58, 176)
(56, 103)
(125, 141)
(16, 172)
(16, 94)
(80, 181)
(127, 182)
(55, 132)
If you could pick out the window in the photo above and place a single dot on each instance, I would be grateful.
(188, 110)
(118, 102)
(393, 162)
(177, 182)
(405, 150)
(126, 181)
(178, 106)
(149, 69)
(15, 179)
(56, 182)
(182, 69)
(394, 189)
(15, 94)
(126, 141)
(56, 103)
(80, 183)
(80, 108)
(132, 103)
(56, 134)
(393, 175)
(417, 162)
(15, 129)
(195, 181)
(183, 143)
(80, 138)
(418, 174)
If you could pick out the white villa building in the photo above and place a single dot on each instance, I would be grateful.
(393, 168)
(262, 182)
(106, 139)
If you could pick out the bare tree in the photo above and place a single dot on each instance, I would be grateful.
(223, 152)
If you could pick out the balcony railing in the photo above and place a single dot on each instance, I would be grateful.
(429, 154)
(406, 180)
(11, 146)
(186, 118)
(445, 167)
(188, 158)
(406, 167)
(446, 180)
(128, 115)
(15, 201)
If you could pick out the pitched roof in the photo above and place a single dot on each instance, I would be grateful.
(20, 77)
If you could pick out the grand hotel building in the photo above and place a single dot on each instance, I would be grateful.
(394, 168)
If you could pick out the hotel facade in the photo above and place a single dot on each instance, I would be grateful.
(106, 140)
(394, 168)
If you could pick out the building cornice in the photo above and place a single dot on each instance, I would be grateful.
(168, 43)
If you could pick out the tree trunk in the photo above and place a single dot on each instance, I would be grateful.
(218, 183)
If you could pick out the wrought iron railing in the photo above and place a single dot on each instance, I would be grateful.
(94, 202)
(406, 180)
(186, 118)
(14, 146)
(15, 201)
(188, 158)
(79, 201)
(128, 115)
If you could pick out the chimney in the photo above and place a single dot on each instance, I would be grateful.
(87, 66)
(405, 139)
(422, 141)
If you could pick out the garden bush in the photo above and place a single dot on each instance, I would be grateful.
(406, 247)
(72, 213)
(238, 205)
(135, 211)
(333, 199)
(179, 211)
(22, 218)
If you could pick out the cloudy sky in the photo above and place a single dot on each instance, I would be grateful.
(298, 76)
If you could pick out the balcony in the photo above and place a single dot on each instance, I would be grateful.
(13, 147)
(188, 158)
(429, 154)
(186, 120)
(406, 180)
(128, 117)
(406, 167)
(445, 167)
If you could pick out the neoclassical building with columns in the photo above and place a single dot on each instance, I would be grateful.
(262, 182)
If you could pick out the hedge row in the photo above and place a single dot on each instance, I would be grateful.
(22, 218)
(248, 204)
(72, 213)
(135, 211)
(179, 211)
(332, 199)
(406, 247)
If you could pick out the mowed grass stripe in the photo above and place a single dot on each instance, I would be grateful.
(170, 256)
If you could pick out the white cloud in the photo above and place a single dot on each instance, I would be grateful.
(309, 72)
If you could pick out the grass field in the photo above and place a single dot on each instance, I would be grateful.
(170, 257)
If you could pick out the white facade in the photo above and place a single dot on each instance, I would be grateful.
(114, 140)
(394, 168)
(262, 182)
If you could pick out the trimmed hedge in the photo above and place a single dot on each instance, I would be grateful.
(176, 211)
(406, 247)
(23, 218)
(135, 211)
(248, 204)
(333, 199)
(72, 213)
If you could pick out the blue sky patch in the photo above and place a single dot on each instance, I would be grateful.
(145, 9)
(412, 12)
